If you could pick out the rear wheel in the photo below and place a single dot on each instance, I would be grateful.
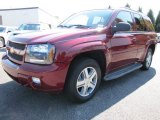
(2, 42)
(148, 60)
(83, 80)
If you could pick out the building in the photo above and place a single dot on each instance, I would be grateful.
(18, 16)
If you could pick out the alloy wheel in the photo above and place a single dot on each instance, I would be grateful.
(149, 59)
(87, 81)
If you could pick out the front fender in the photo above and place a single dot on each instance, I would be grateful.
(71, 53)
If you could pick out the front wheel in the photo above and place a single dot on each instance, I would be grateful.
(148, 60)
(84, 80)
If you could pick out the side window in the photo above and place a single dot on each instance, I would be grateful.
(140, 25)
(148, 24)
(124, 16)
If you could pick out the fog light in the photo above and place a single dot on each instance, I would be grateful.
(36, 80)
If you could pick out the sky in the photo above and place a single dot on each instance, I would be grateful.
(64, 8)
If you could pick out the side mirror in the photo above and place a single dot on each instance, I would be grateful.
(121, 26)
(9, 31)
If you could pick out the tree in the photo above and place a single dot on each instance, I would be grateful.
(151, 16)
(109, 7)
(157, 23)
(127, 5)
(140, 9)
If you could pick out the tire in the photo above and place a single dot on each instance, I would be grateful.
(83, 80)
(148, 60)
(2, 42)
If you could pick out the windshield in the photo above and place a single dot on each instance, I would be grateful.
(2, 29)
(88, 19)
(29, 27)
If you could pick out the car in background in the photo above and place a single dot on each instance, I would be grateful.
(31, 27)
(5, 32)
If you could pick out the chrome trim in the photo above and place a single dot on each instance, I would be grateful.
(16, 51)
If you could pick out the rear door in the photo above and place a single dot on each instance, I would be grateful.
(123, 48)
(143, 33)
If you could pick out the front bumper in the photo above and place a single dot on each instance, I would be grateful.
(52, 76)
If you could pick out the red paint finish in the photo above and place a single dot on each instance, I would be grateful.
(120, 49)
(52, 76)
(123, 50)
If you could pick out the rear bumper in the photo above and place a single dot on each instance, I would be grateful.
(52, 76)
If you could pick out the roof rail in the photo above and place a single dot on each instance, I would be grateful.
(126, 8)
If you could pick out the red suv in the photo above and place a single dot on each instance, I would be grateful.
(86, 48)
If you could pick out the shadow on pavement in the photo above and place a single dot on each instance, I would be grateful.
(19, 103)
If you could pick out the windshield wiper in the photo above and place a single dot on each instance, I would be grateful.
(79, 26)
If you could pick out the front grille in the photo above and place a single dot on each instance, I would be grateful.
(12, 49)
(17, 45)
(15, 56)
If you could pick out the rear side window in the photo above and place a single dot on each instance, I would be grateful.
(140, 25)
(2, 29)
(124, 16)
(148, 24)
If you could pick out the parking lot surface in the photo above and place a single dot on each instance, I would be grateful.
(135, 96)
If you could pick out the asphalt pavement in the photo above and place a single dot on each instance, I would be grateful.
(135, 96)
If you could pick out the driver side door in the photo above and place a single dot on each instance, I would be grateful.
(123, 48)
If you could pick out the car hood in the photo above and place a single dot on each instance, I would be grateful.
(22, 32)
(52, 36)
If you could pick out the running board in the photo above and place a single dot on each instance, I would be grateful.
(122, 72)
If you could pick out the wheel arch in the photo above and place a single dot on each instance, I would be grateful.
(95, 50)
(98, 55)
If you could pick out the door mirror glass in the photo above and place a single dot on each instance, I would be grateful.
(121, 26)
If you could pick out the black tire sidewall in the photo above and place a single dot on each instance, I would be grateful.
(75, 71)
(145, 67)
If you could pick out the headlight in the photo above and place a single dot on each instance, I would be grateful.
(40, 54)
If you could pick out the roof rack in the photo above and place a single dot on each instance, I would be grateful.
(126, 8)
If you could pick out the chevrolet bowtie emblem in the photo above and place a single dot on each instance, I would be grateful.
(16, 51)
(12, 50)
